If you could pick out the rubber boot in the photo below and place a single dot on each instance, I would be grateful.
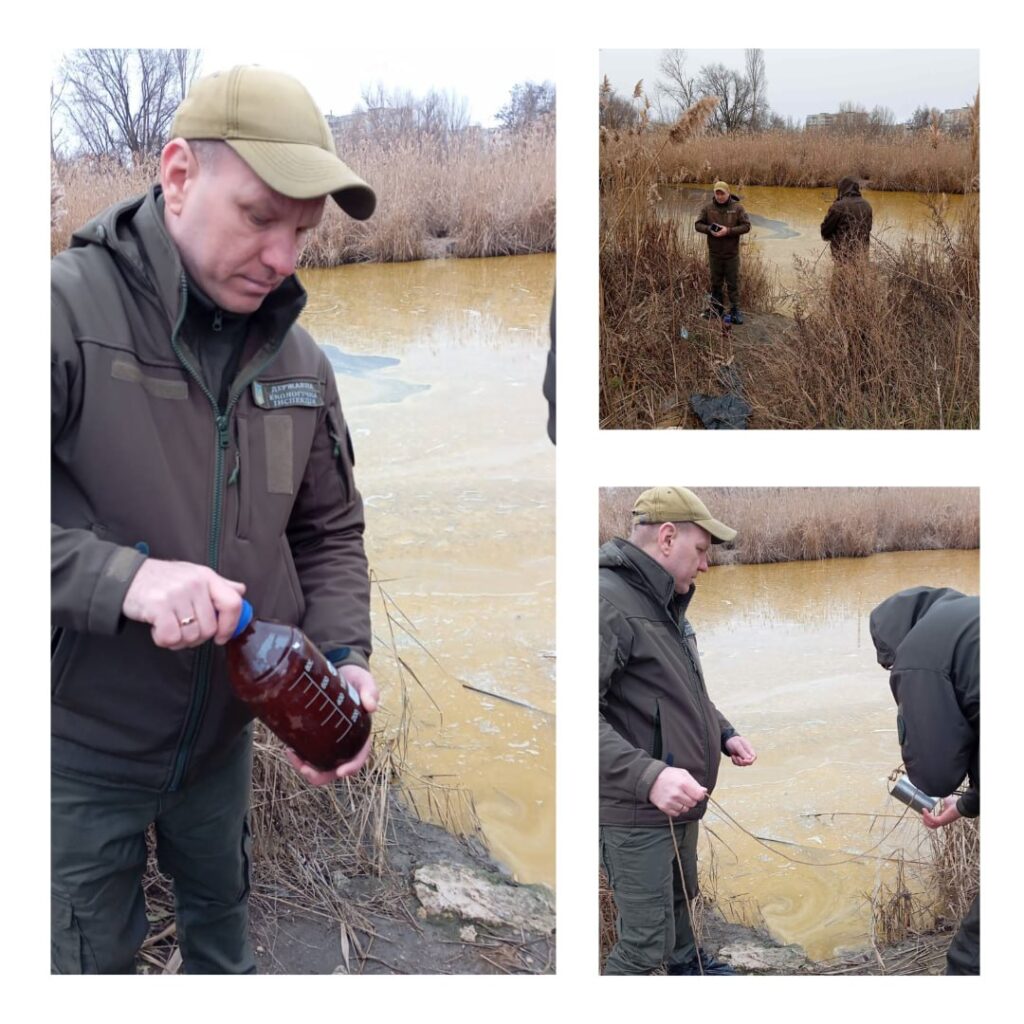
(737, 316)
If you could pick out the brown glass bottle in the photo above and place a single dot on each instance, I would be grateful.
(296, 691)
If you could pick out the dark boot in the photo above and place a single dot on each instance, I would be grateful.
(737, 316)
(701, 964)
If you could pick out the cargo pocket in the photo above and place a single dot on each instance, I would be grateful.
(65, 937)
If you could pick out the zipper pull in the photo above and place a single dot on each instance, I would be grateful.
(222, 431)
(218, 320)
(233, 479)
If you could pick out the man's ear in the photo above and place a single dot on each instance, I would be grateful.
(178, 168)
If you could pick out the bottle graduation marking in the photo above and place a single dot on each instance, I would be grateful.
(309, 683)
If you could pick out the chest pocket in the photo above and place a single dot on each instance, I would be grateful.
(273, 448)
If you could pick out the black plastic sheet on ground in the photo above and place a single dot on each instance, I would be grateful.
(724, 412)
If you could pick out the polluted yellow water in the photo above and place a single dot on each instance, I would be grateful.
(786, 222)
(440, 365)
(788, 659)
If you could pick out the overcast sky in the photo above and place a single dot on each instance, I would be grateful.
(802, 82)
(336, 78)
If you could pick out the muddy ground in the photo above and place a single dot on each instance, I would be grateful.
(395, 934)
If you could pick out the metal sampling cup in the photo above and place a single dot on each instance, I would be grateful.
(906, 792)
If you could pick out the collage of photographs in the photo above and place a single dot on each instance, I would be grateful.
(325, 497)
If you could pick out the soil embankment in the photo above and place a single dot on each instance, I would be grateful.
(442, 906)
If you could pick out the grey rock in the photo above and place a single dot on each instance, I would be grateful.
(752, 957)
(458, 890)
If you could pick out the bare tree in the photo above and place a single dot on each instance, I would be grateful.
(675, 91)
(881, 121)
(757, 81)
(399, 117)
(732, 90)
(852, 119)
(57, 86)
(528, 103)
(922, 118)
(121, 102)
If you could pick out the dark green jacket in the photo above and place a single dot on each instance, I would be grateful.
(929, 639)
(847, 225)
(140, 459)
(733, 216)
(654, 707)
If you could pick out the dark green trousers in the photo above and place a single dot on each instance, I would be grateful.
(654, 912)
(964, 956)
(98, 858)
(725, 270)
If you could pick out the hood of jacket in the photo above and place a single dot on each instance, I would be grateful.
(895, 617)
(644, 573)
(848, 188)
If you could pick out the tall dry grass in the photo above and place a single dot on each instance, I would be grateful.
(890, 343)
(782, 524)
(654, 279)
(903, 162)
(465, 198)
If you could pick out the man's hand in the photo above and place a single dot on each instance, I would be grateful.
(368, 696)
(675, 790)
(945, 816)
(741, 752)
(186, 604)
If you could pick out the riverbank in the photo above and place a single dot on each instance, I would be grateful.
(347, 880)
(465, 197)
(784, 524)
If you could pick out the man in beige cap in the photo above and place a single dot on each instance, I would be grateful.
(198, 452)
(723, 220)
(661, 737)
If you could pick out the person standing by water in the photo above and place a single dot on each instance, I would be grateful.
(929, 638)
(661, 737)
(723, 220)
(847, 225)
(198, 452)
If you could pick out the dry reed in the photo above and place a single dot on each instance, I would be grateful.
(781, 524)
(471, 197)
(902, 162)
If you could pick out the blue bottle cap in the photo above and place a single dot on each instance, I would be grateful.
(244, 619)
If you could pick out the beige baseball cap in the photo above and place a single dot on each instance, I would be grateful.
(720, 186)
(678, 505)
(270, 120)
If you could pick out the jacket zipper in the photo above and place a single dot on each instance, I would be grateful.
(201, 672)
(700, 703)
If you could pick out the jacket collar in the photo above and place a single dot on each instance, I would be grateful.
(646, 574)
(134, 232)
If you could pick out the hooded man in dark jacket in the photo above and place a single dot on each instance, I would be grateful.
(928, 638)
(723, 220)
(198, 452)
(847, 225)
(661, 737)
